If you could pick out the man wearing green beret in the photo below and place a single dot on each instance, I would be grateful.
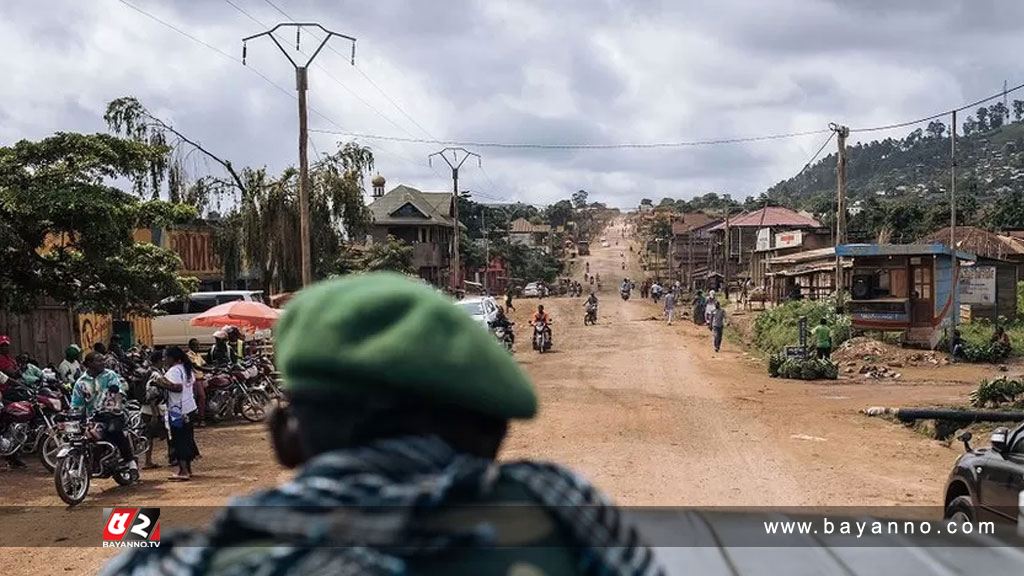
(398, 405)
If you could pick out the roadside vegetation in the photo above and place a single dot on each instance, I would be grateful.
(778, 327)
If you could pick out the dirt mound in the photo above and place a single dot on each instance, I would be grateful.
(864, 349)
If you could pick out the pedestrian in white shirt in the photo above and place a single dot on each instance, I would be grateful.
(179, 381)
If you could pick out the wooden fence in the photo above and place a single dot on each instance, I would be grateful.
(43, 333)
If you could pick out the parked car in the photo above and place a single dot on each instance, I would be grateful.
(483, 309)
(986, 483)
(533, 290)
(172, 316)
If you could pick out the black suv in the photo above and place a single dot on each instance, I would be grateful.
(986, 483)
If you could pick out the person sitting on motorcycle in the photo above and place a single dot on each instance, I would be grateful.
(236, 342)
(100, 393)
(502, 321)
(541, 316)
(220, 353)
(70, 368)
(8, 364)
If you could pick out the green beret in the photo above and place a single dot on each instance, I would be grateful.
(383, 332)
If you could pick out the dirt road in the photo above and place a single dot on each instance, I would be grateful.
(655, 417)
(646, 410)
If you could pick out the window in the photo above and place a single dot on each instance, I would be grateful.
(224, 298)
(923, 282)
(176, 306)
(201, 303)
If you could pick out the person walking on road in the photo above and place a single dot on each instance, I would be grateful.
(396, 413)
(508, 299)
(670, 305)
(699, 305)
(717, 326)
(709, 312)
(823, 339)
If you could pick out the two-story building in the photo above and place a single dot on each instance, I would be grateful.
(424, 220)
(522, 231)
(750, 240)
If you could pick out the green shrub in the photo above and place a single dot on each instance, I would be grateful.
(778, 327)
(998, 391)
(796, 369)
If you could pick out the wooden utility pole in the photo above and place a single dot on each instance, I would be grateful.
(728, 248)
(841, 133)
(458, 157)
(302, 85)
(952, 209)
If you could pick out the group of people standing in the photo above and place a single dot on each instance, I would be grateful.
(707, 310)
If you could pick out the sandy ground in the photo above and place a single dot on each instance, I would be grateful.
(646, 410)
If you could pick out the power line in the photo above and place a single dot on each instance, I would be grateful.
(939, 114)
(815, 157)
(574, 146)
(349, 90)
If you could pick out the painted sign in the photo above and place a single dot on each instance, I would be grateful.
(978, 285)
(792, 239)
(764, 239)
(197, 252)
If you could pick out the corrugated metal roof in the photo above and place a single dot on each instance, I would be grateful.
(979, 241)
(898, 250)
(435, 206)
(524, 226)
(771, 217)
(691, 221)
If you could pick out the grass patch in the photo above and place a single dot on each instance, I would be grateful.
(978, 333)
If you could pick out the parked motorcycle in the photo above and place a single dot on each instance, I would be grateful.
(44, 434)
(16, 414)
(541, 337)
(228, 392)
(84, 455)
(590, 318)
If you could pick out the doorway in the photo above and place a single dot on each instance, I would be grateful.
(922, 293)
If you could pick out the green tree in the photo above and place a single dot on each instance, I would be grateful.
(1018, 110)
(559, 213)
(579, 199)
(68, 235)
(983, 119)
(970, 126)
(936, 129)
(1007, 212)
(997, 114)
(392, 254)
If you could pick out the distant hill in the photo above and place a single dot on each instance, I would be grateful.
(890, 177)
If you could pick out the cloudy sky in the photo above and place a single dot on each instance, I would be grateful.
(578, 71)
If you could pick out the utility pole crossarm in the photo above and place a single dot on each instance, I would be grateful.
(302, 85)
(459, 156)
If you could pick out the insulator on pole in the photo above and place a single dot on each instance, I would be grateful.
(298, 30)
(353, 53)
(244, 49)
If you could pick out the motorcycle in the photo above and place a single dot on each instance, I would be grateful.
(541, 337)
(44, 437)
(228, 393)
(625, 294)
(84, 455)
(590, 318)
(16, 414)
(504, 335)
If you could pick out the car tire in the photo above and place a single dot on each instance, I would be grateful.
(961, 509)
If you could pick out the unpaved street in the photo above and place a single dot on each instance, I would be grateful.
(646, 410)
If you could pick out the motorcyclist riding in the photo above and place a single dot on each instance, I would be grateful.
(542, 316)
(100, 393)
(502, 321)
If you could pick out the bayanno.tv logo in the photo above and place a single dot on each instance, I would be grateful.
(131, 527)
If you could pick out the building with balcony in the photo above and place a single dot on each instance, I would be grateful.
(424, 220)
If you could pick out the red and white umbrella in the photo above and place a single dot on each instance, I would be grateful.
(243, 313)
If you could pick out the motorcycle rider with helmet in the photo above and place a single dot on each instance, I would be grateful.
(100, 393)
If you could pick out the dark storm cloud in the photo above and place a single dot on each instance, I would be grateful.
(531, 70)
